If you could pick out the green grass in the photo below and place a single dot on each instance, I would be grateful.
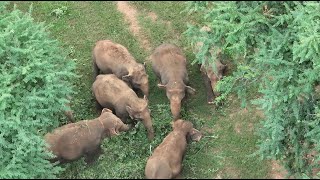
(222, 152)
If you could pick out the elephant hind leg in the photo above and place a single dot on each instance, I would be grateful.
(98, 107)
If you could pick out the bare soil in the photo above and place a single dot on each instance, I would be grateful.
(130, 14)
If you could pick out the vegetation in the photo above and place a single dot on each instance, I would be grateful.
(228, 139)
(275, 49)
(35, 83)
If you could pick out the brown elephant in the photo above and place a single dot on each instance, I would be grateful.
(83, 138)
(113, 58)
(111, 92)
(170, 66)
(166, 160)
(211, 79)
(210, 76)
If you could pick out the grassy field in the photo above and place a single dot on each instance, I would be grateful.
(229, 140)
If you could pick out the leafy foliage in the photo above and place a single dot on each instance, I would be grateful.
(60, 11)
(275, 48)
(35, 83)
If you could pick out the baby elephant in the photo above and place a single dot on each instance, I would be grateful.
(113, 58)
(170, 66)
(166, 160)
(113, 93)
(83, 138)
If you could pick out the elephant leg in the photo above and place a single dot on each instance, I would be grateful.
(92, 156)
(98, 106)
(62, 161)
(121, 116)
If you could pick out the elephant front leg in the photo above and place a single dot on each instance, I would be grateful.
(98, 107)
(148, 125)
(92, 156)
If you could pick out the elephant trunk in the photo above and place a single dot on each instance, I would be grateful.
(148, 125)
(124, 127)
(175, 106)
(145, 89)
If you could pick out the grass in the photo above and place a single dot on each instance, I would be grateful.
(223, 151)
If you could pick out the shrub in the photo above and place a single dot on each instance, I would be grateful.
(35, 83)
(275, 48)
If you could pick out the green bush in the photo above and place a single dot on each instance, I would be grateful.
(275, 48)
(35, 83)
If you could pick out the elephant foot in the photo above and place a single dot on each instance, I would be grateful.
(90, 158)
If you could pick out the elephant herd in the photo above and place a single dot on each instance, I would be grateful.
(118, 80)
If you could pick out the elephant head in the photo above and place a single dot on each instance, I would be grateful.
(176, 92)
(140, 111)
(213, 76)
(111, 123)
(138, 78)
(187, 128)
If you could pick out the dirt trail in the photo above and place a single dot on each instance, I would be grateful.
(277, 171)
(131, 14)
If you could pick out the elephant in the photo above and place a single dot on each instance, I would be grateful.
(170, 66)
(113, 93)
(166, 160)
(113, 58)
(211, 79)
(72, 141)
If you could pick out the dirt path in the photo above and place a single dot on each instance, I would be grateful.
(277, 171)
(131, 14)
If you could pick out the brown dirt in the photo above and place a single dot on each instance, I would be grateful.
(130, 14)
(241, 112)
(277, 171)
(228, 173)
(153, 16)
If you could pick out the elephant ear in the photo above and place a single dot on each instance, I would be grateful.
(130, 111)
(190, 90)
(127, 78)
(113, 132)
(105, 110)
(195, 134)
(145, 98)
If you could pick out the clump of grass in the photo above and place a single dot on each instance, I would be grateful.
(63, 10)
